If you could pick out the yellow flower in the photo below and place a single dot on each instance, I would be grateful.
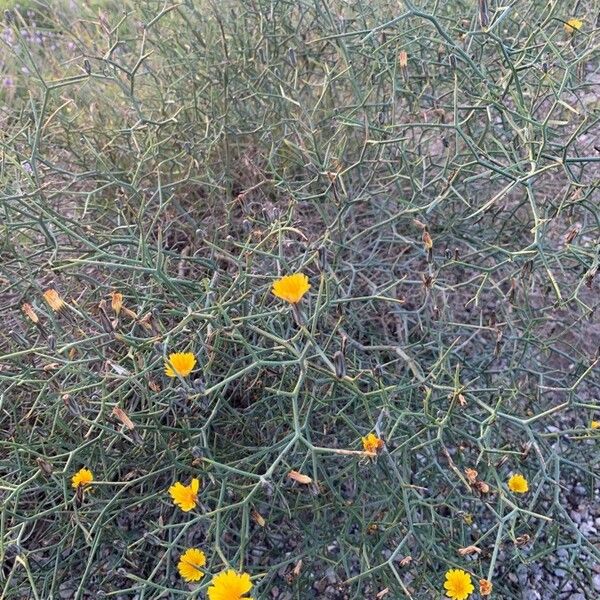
(595, 424)
(180, 363)
(185, 496)
(518, 484)
(229, 585)
(573, 25)
(83, 478)
(485, 587)
(53, 299)
(458, 584)
(371, 443)
(291, 288)
(189, 564)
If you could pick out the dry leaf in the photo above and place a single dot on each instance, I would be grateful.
(129, 313)
(382, 593)
(462, 400)
(299, 477)
(406, 561)
(469, 550)
(51, 366)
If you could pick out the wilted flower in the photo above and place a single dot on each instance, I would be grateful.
(485, 587)
(54, 300)
(116, 301)
(371, 443)
(189, 564)
(83, 478)
(180, 363)
(229, 585)
(29, 313)
(518, 484)
(573, 25)
(458, 584)
(185, 496)
(291, 288)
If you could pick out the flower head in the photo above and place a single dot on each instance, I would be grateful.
(371, 443)
(185, 496)
(458, 584)
(518, 484)
(595, 424)
(82, 478)
(229, 585)
(485, 587)
(573, 25)
(189, 564)
(180, 363)
(29, 313)
(116, 301)
(55, 302)
(291, 288)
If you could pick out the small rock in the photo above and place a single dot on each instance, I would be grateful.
(529, 594)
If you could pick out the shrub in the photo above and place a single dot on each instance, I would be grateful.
(431, 168)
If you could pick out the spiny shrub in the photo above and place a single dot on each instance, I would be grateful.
(298, 297)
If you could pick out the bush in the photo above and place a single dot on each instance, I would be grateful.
(431, 168)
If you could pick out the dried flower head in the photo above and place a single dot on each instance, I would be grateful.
(371, 443)
(83, 478)
(116, 301)
(55, 302)
(180, 363)
(471, 475)
(485, 587)
(458, 584)
(229, 585)
(299, 478)
(291, 288)
(518, 484)
(29, 313)
(185, 496)
(190, 563)
(122, 416)
(573, 25)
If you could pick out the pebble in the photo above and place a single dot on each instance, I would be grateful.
(529, 594)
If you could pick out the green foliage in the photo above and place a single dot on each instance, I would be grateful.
(446, 212)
